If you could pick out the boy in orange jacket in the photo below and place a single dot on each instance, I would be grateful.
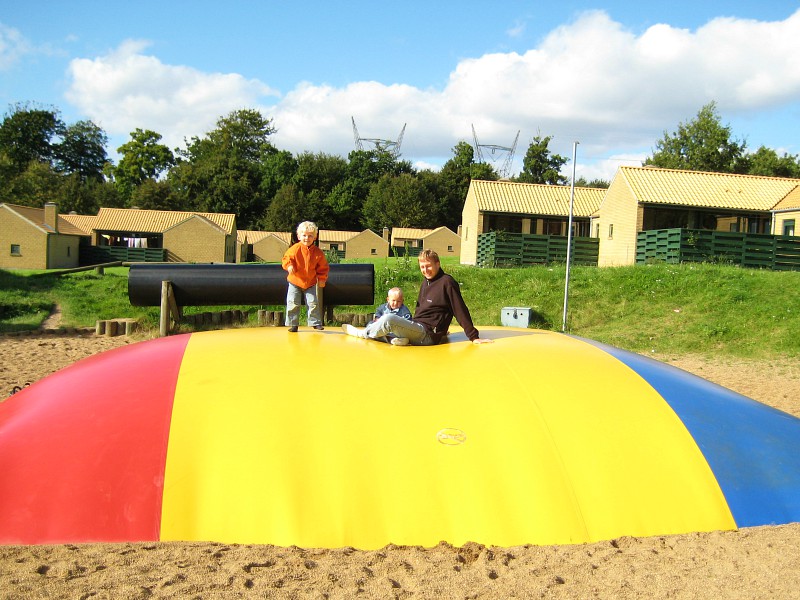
(307, 268)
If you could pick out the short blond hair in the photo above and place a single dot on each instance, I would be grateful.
(429, 256)
(307, 226)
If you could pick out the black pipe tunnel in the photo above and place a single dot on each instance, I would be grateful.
(248, 284)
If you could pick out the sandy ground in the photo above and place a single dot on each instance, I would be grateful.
(751, 563)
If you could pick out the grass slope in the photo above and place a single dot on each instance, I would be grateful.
(664, 309)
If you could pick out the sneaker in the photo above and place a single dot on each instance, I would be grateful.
(293, 329)
(399, 342)
(318, 327)
(354, 331)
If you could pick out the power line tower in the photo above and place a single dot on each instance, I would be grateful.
(505, 153)
(391, 146)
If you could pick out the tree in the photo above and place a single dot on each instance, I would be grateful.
(702, 144)
(221, 172)
(37, 184)
(154, 195)
(594, 183)
(287, 209)
(540, 166)
(766, 162)
(399, 201)
(277, 169)
(82, 151)
(26, 135)
(451, 184)
(143, 158)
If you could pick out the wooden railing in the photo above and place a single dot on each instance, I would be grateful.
(500, 248)
(93, 255)
(755, 250)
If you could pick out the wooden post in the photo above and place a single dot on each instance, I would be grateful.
(163, 321)
(169, 309)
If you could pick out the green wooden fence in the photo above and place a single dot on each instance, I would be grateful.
(500, 248)
(94, 255)
(755, 250)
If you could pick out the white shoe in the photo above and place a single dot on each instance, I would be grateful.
(354, 331)
(399, 342)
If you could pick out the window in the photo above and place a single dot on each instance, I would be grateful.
(373, 251)
(16, 250)
(449, 248)
(788, 227)
(611, 231)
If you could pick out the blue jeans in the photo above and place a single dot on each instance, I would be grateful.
(392, 325)
(294, 298)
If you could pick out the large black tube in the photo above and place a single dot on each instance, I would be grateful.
(234, 284)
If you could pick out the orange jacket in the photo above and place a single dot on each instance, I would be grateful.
(309, 264)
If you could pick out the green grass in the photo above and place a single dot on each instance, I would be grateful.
(657, 309)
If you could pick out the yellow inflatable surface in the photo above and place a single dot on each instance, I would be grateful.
(317, 439)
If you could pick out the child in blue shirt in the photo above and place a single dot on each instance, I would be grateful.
(393, 305)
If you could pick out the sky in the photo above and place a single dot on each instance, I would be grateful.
(603, 79)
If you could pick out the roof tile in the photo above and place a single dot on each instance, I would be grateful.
(534, 198)
(653, 185)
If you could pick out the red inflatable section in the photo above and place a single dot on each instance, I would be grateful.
(125, 435)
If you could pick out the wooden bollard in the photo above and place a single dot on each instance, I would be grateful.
(277, 318)
(236, 315)
(227, 317)
(100, 328)
(111, 328)
(262, 318)
(130, 327)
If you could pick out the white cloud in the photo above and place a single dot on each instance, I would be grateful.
(591, 80)
(126, 89)
(13, 46)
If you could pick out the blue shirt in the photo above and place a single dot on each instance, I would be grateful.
(401, 311)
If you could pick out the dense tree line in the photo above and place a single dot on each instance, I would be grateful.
(235, 168)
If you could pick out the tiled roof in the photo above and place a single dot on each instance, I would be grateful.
(154, 221)
(534, 198)
(67, 224)
(34, 215)
(709, 190)
(77, 224)
(792, 200)
(408, 233)
(257, 236)
(328, 235)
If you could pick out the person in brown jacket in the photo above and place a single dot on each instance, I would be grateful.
(438, 302)
(307, 268)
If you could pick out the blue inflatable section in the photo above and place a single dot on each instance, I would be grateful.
(753, 449)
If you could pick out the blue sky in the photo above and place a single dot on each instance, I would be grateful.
(612, 75)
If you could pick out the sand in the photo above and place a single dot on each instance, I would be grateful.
(750, 563)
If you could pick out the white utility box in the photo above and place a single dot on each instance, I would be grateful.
(515, 316)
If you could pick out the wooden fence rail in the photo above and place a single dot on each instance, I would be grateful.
(753, 250)
(500, 248)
